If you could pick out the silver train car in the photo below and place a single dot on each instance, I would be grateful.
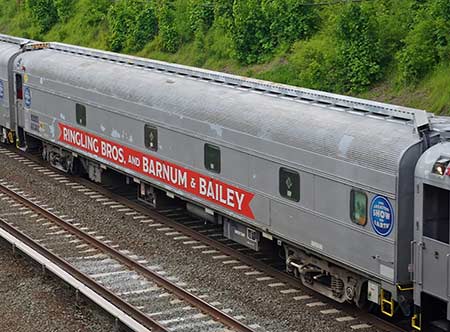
(354, 193)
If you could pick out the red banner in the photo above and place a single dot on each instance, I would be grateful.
(212, 190)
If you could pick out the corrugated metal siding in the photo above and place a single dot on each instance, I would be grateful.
(6, 51)
(362, 140)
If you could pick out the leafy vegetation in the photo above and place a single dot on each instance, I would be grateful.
(260, 26)
(131, 24)
(358, 49)
(428, 42)
(44, 13)
(170, 39)
(397, 51)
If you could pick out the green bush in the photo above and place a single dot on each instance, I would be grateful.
(220, 33)
(218, 40)
(315, 63)
(394, 21)
(44, 13)
(118, 17)
(201, 14)
(428, 42)
(358, 49)
(144, 29)
(250, 31)
(260, 26)
(419, 55)
(290, 20)
(440, 13)
(95, 11)
(401, 47)
(64, 9)
(168, 34)
(223, 8)
(132, 23)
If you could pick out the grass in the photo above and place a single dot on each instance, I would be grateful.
(88, 27)
(431, 94)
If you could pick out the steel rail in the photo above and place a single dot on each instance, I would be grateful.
(270, 271)
(223, 248)
(158, 279)
(137, 315)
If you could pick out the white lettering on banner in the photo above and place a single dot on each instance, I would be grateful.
(231, 197)
(216, 192)
(112, 152)
(81, 140)
(165, 172)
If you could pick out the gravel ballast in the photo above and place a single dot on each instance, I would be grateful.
(257, 302)
(32, 301)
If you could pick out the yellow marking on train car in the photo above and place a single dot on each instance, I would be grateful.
(404, 288)
(389, 303)
(416, 318)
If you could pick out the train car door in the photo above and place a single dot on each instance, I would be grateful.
(19, 111)
(435, 241)
(432, 256)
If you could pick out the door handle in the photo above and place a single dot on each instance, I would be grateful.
(448, 275)
(413, 261)
(420, 247)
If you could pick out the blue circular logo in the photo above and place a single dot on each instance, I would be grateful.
(381, 216)
(2, 90)
(27, 97)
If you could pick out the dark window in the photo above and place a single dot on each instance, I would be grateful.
(81, 114)
(358, 207)
(251, 235)
(19, 88)
(151, 138)
(212, 158)
(289, 184)
(436, 213)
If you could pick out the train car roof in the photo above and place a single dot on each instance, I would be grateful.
(7, 50)
(371, 140)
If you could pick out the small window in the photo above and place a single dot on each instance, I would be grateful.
(436, 213)
(289, 184)
(19, 88)
(212, 158)
(151, 137)
(81, 114)
(358, 207)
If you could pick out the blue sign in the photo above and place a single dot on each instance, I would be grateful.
(381, 215)
(2, 90)
(27, 97)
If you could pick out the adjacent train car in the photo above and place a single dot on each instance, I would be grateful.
(9, 48)
(327, 179)
(431, 245)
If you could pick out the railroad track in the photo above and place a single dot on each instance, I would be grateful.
(211, 237)
(193, 232)
(143, 299)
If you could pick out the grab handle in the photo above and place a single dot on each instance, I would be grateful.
(413, 261)
(448, 275)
